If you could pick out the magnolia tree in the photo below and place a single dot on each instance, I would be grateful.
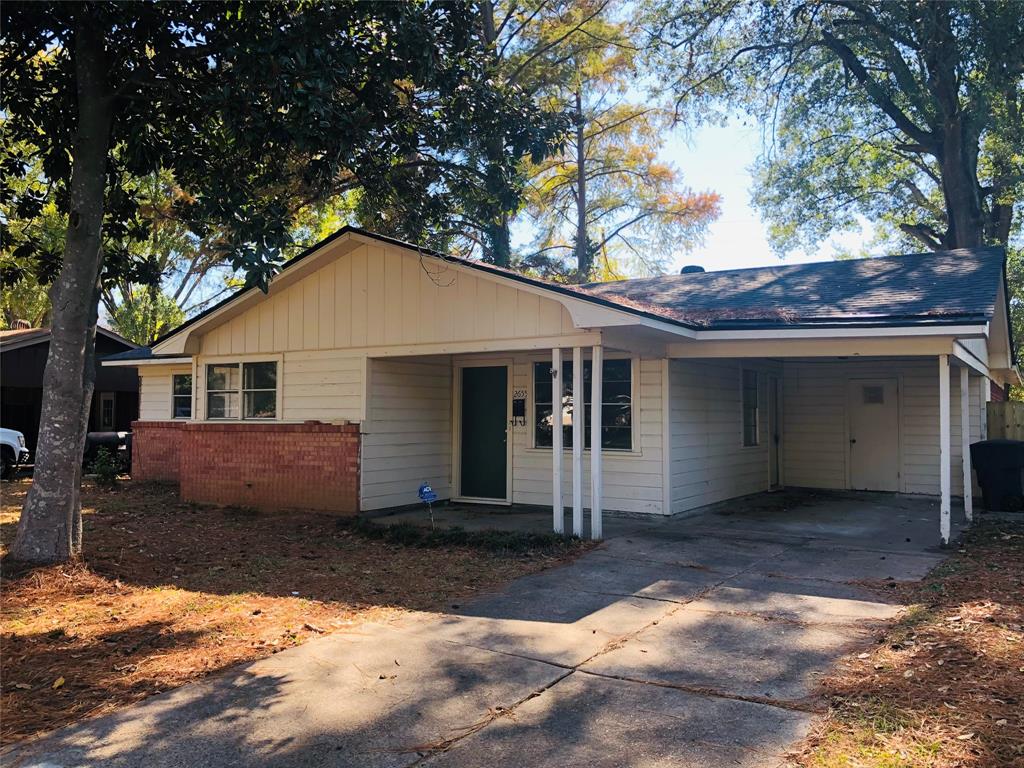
(256, 109)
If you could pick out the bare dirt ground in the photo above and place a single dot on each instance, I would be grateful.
(170, 592)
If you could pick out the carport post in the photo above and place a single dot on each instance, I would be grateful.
(944, 468)
(965, 440)
(577, 441)
(596, 490)
(557, 510)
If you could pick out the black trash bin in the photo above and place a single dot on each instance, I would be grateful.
(1000, 468)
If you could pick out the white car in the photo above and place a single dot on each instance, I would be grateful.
(13, 452)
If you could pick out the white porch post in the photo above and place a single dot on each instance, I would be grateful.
(577, 441)
(965, 440)
(557, 387)
(596, 386)
(944, 468)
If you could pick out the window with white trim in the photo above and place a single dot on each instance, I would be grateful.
(181, 395)
(750, 408)
(616, 404)
(241, 390)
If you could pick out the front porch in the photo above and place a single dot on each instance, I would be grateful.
(883, 521)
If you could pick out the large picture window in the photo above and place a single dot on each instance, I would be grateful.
(750, 416)
(616, 405)
(181, 385)
(246, 390)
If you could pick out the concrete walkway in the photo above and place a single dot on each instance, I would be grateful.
(691, 642)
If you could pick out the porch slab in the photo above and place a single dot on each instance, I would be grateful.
(592, 721)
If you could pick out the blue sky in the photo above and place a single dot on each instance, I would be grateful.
(718, 159)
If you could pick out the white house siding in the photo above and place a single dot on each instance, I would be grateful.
(632, 480)
(155, 391)
(709, 462)
(385, 296)
(815, 446)
(407, 436)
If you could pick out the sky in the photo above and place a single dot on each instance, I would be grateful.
(718, 159)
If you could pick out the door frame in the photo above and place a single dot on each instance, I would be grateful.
(775, 423)
(104, 397)
(507, 364)
(900, 475)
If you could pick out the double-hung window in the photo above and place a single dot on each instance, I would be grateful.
(616, 404)
(241, 390)
(181, 389)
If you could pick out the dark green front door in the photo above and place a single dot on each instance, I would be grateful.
(484, 462)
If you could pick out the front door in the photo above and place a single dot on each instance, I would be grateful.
(107, 405)
(484, 419)
(873, 407)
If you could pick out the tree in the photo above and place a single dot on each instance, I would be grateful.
(245, 104)
(607, 194)
(904, 113)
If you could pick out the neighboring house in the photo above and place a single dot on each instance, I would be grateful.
(115, 402)
(372, 366)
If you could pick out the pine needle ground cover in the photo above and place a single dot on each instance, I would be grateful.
(944, 686)
(170, 592)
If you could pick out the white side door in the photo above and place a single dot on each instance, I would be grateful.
(873, 410)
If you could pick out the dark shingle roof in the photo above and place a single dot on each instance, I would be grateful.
(947, 286)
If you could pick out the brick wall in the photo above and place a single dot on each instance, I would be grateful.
(156, 449)
(264, 466)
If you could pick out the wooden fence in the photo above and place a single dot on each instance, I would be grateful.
(1006, 420)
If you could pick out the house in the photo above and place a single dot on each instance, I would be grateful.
(23, 352)
(371, 366)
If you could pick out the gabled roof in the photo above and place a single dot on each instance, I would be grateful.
(943, 288)
(958, 286)
(26, 337)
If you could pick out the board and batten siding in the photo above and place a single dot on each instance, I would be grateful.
(379, 296)
(815, 428)
(709, 462)
(407, 438)
(155, 391)
(632, 479)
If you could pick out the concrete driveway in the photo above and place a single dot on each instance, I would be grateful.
(693, 642)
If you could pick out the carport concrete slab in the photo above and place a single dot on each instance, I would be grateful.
(731, 654)
(371, 700)
(845, 564)
(797, 601)
(601, 723)
(720, 554)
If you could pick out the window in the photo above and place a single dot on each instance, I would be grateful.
(249, 388)
(616, 405)
(750, 430)
(181, 388)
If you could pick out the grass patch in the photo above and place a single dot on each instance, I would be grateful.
(170, 592)
(944, 686)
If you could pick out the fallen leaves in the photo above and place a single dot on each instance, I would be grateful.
(944, 687)
(157, 606)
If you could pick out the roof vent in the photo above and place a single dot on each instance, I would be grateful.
(691, 269)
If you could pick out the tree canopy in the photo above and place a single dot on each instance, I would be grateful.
(906, 114)
(258, 110)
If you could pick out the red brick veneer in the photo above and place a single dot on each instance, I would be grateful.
(265, 466)
(156, 450)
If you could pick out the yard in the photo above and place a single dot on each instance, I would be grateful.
(945, 685)
(171, 592)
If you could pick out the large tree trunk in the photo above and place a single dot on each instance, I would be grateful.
(584, 259)
(51, 516)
